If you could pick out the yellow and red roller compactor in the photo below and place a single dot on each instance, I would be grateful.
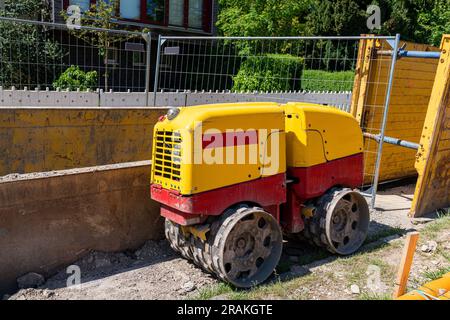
(232, 179)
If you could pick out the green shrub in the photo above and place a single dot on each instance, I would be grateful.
(319, 80)
(269, 73)
(75, 78)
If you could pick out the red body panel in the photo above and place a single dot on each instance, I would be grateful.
(312, 182)
(268, 192)
(283, 203)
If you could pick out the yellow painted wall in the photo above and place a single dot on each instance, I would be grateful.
(433, 157)
(45, 139)
(413, 82)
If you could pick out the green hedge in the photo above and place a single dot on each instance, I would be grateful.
(319, 80)
(269, 73)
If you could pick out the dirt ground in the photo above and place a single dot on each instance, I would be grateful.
(156, 272)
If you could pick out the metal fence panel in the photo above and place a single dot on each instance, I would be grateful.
(35, 54)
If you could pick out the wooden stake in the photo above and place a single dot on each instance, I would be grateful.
(405, 264)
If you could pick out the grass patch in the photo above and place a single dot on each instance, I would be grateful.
(357, 267)
(384, 233)
(374, 296)
(213, 291)
(436, 274)
(432, 229)
(278, 289)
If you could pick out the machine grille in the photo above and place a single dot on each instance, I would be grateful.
(167, 156)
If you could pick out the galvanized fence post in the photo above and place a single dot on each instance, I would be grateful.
(148, 39)
(384, 121)
(158, 58)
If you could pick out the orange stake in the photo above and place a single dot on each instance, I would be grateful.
(405, 264)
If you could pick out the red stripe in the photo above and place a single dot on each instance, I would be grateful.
(229, 139)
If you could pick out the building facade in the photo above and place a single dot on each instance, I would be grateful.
(174, 16)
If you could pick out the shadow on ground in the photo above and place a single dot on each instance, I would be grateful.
(97, 265)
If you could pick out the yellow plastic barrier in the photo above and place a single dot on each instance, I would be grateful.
(435, 290)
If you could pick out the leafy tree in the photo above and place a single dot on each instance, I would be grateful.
(262, 17)
(416, 20)
(28, 55)
(100, 15)
(433, 23)
(336, 18)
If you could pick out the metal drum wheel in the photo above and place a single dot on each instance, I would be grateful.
(243, 246)
(341, 221)
(177, 240)
(247, 247)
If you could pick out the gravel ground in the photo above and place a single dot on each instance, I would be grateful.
(152, 272)
(156, 272)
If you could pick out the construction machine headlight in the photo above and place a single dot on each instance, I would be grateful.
(172, 113)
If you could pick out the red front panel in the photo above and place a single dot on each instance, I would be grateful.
(267, 192)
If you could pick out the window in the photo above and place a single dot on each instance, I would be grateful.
(156, 10)
(83, 4)
(138, 59)
(112, 55)
(176, 12)
(196, 14)
(130, 9)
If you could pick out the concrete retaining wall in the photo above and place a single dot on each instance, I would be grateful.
(44, 139)
(51, 219)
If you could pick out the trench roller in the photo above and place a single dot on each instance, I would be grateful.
(233, 179)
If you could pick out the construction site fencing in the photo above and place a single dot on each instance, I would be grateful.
(40, 55)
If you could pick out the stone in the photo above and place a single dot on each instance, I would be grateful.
(355, 289)
(417, 221)
(30, 280)
(430, 246)
(189, 286)
(48, 293)
(102, 263)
